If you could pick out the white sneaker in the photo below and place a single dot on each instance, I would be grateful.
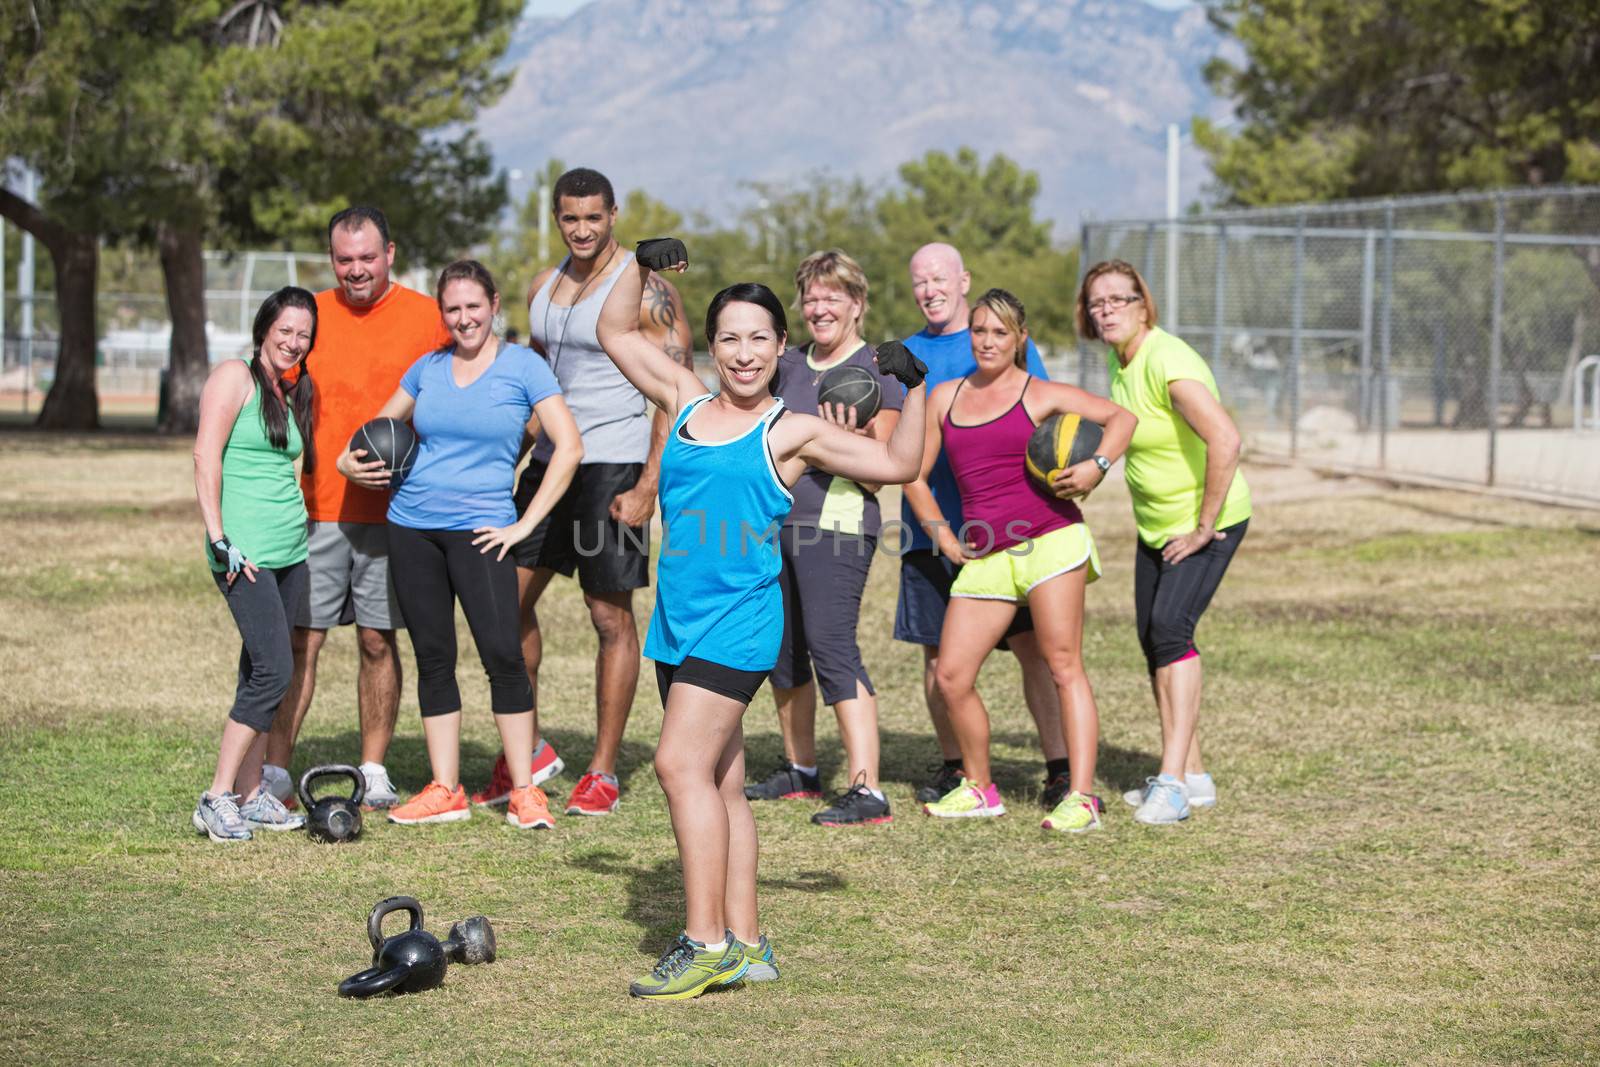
(276, 780)
(380, 791)
(1164, 803)
(1202, 790)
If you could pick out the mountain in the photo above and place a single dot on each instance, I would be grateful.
(686, 98)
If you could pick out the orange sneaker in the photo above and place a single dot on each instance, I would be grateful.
(433, 804)
(546, 765)
(593, 795)
(529, 809)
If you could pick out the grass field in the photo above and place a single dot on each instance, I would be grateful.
(1403, 716)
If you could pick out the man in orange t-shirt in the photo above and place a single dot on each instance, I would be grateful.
(370, 329)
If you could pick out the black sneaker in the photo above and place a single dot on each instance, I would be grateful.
(1056, 787)
(856, 807)
(945, 778)
(786, 783)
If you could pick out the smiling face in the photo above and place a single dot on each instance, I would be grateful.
(940, 285)
(994, 344)
(468, 312)
(585, 224)
(1115, 308)
(745, 349)
(830, 313)
(288, 340)
(361, 262)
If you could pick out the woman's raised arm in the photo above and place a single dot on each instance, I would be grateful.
(657, 375)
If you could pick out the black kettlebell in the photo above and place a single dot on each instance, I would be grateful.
(333, 819)
(405, 963)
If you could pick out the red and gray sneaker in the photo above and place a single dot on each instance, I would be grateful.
(787, 782)
(546, 765)
(858, 806)
(595, 794)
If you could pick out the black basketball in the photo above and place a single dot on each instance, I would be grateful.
(1059, 442)
(392, 441)
(854, 387)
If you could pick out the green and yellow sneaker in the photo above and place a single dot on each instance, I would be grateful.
(686, 970)
(1076, 813)
(967, 801)
(763, 965)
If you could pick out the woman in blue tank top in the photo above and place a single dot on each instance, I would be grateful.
(725, 477)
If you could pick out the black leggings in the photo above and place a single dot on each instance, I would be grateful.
(263, 610)
(432, 569)
(1168, 599)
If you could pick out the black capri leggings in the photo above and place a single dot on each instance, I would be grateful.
(432, 569)
(1168, 599)
(823, 576)
(263, 610)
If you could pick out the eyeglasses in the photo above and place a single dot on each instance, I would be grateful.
(1115, 302)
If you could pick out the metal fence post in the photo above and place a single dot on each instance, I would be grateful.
(1083, 268)
(1296, 327)
(1494, 328)
(1364, 405)
(1220, 317)
(1387, 320)
(1149, 252)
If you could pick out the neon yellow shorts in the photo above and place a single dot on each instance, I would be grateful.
(1010, 573)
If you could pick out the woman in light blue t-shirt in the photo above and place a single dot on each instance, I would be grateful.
(452, 522)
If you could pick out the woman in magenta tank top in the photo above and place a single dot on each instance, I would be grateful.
(1020, 544)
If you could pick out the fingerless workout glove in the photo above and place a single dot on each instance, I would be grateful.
(662, 253)
(896, 359)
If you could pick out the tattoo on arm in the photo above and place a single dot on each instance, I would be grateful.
(659, 310)
(681, 354)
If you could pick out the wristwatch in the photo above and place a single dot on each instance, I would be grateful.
(1102, 462)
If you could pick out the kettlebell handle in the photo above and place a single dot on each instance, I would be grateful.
(371, 982)
(332, 770)
(384, 907)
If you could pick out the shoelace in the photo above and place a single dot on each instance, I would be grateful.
(676, 959)
(855, 794)
(227, 808)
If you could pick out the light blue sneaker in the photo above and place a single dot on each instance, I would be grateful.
(219, 818)
(266, 812)
(1200, 788)
(1165, 802)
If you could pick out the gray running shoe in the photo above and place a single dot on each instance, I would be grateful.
(763, 967)
(219, 818)
(266, 812)
(945, 778)
(380, 791)
(787, 782)
(276, 780)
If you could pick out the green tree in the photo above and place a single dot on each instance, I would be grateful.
(1348, 98)
(171, 122)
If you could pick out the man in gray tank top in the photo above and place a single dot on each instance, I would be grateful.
(600, 528)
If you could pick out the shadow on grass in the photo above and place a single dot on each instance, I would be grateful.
(655, 892)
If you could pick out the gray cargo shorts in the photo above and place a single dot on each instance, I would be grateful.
(349, 564)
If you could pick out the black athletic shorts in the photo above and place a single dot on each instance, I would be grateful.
(925, 581)
(580, 535)
(725, 681)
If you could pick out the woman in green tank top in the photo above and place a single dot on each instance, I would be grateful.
(253, 425)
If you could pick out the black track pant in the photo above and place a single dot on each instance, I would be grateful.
(431, 570)
(1169, 599)
(263, 610)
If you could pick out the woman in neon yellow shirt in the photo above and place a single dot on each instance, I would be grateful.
(1191, 506)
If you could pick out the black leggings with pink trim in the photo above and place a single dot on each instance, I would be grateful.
(1168, 599)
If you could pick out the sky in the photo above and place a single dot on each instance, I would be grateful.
(567, 7)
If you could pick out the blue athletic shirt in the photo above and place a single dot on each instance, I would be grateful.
(468, 439)
(948, 356)
(717, 593)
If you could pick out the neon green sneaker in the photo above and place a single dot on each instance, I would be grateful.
(686, 970)
(1076, 813)
(967, 801)
(763, 965)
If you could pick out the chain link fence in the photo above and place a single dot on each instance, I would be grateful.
(135, 329)
(1449, 337)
